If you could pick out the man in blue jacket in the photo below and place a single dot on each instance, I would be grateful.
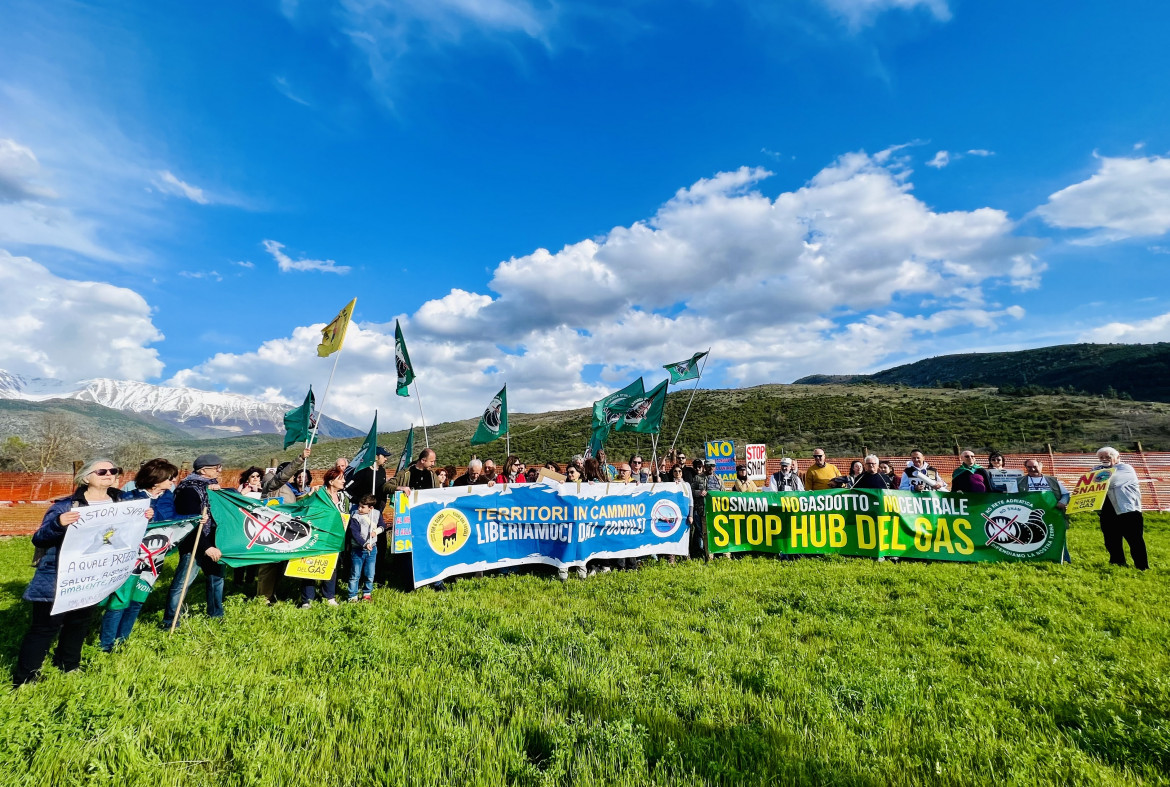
(190, 500)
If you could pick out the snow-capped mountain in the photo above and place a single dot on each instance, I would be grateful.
(199, 413)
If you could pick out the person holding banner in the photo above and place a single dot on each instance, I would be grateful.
(820, 474)
(279, 486)
(1121, 513)
(191, 500)
(97, 482)
(154, 480)
(335, 485)
(786, 479)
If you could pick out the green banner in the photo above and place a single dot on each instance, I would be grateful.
(887, 523)
(248, 532)
(161, 539)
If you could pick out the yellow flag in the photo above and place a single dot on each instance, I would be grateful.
(333, 334)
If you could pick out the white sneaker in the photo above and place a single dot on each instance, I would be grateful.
(354, 599)
(331, 602)
(562, 574)
(307, 605)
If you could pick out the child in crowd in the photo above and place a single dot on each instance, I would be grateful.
(364, 528)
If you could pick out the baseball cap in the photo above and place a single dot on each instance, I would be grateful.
(206, 460)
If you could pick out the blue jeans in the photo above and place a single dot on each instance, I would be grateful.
(117, 624)
(362, 564)
(214, 591)
(328, 586)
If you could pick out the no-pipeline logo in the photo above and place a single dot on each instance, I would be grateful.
(1016, 527)
(448, 531)
(665, 518)
(275, 530)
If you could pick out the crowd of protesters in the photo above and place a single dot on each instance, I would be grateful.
(362, 497)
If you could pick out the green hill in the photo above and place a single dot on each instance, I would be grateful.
(843, 419)
(1140, 371)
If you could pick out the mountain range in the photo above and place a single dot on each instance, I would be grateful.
(194, 413)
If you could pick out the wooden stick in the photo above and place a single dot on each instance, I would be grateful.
(187, 579)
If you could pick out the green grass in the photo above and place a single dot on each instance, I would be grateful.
(737, 672)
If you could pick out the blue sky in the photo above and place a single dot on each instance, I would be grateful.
(562, 196)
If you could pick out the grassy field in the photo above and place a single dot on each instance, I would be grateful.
(738, 672)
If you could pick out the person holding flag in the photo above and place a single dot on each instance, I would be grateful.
(370, 479)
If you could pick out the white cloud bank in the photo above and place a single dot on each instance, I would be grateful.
(168, 183)
(287, 264)
(835, 276)
(1125, 198)
(57, 327)
(1154, 329)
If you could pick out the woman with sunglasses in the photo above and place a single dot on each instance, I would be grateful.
(97, 482)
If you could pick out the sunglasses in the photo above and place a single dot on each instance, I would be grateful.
(108, 471)
(818, 456)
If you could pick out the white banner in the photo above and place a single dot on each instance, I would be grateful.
(757, 462)
(98, 553)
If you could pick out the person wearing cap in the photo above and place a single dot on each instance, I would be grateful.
(786, 479)
(371, 481)
(191, 500)
(742, 483)
(820, 474)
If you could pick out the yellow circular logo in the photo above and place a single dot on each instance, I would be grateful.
(448, 531)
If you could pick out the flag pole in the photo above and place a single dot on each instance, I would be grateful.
(654, 456)
(418, 396)
(696, 388)
(321, 409)
(508, 442)
(187, 579)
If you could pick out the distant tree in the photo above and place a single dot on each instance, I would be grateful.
(55, 441)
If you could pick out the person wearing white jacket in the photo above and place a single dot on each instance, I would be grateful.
(1121, 515)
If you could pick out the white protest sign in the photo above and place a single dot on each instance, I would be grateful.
(98, 553)
(757, 461)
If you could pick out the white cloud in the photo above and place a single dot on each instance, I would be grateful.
(19, 170)
(169, 184)
(1125, 198)
(834, 276)
(862, 12)
(287, 264)
(244, 264)
(940, 160)
(210, 275)
(71, 330)
(1154, 329)
(981, 152)
(285, 89)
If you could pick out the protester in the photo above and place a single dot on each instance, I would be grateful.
(155, 480)
(970, 477)
(364, 528)
(689, 472)
(489, 471)
(251, 483)
(592, 472)
(607, 471)
(742, 483)
(887, 472)
(513, 472)
(786, 479)
(474, 475)
(849, 480)
(553, 466)
(870, 478)
(572, 474)
(637, 472)
(371, 480)
(995, 460)
(96, 482)
(1036, 481)
(191, 500)
(623, 474)
(420, 475)
(1121, 514)
(819, 474)
(701, 486)
(334, 484)
(919, 476)
(446, 476)
(281, 486)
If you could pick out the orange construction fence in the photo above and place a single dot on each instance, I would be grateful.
(24, 497)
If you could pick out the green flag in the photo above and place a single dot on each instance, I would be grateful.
(597, 440)
(298, 422)
(366, 455)
(407, 450)
(645, 413)
(160, 540)
(402, 362)
(684, 370)
(611, 409)
(494, 423)
(248, 532)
